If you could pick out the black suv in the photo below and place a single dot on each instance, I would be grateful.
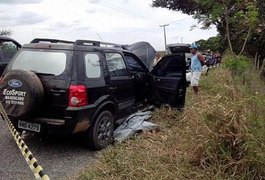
(8, 48)
(55, 86)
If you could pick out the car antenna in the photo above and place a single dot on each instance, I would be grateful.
(101, 39)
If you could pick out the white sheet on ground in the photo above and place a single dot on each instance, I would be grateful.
(134, 124)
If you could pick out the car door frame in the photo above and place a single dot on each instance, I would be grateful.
(138, 74)
(169, 89)
(113, 81)
(3, 62)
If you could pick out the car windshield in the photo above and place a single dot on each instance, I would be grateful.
(45, 62)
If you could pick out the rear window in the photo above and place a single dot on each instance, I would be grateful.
(46, 62)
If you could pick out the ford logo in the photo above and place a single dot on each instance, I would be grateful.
(15, 83)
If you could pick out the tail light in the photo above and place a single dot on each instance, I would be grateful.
(77, 96)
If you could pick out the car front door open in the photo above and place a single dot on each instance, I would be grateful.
(169, 81)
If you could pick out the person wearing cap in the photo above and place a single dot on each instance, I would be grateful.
(197, 62)
(209, 58)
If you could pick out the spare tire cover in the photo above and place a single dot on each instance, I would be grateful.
(21, 92)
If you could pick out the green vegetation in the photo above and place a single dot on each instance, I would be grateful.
(213, 43)
(240, 23)
(220, 135)
(238, 65)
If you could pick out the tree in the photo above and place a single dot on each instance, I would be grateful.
(5, 32)
(235, 19)
(215, 43)
(258, 41)
(189, 7)
(203, 44)
(261, 7)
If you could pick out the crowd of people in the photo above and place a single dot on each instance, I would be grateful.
(213, 59)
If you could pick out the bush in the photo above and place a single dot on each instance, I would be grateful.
(238, 65)
(233, 147)
(232, 136)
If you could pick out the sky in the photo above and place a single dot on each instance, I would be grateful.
(116, 21)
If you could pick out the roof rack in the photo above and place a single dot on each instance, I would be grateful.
(80, 42)
(87, 43)
(115, 45)
(98, 43)
(38, 40)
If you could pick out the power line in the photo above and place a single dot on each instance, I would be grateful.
(116, 10)
(122, 11)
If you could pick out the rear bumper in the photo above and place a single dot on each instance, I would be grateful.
(58, 122)
(68, 120)
(74, 122)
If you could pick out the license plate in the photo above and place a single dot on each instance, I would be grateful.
(29, 126)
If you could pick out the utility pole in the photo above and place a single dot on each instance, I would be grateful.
(165, 37)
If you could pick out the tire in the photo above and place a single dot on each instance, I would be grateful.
(100, 133)
(21, 93)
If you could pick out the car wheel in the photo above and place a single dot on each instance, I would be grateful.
(100, 133)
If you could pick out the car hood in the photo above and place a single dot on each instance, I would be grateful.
(145, 52)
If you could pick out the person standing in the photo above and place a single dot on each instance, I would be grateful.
(218, 58)
(197, 61)
(157, 58)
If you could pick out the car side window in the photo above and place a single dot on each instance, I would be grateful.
(132, 64)
(170, 67)
(92, 65)
(116, 65)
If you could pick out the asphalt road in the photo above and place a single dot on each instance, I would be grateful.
(61, 157)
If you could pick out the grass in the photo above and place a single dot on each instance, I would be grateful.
(220, 135)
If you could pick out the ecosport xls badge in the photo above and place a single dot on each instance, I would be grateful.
(15, 83)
